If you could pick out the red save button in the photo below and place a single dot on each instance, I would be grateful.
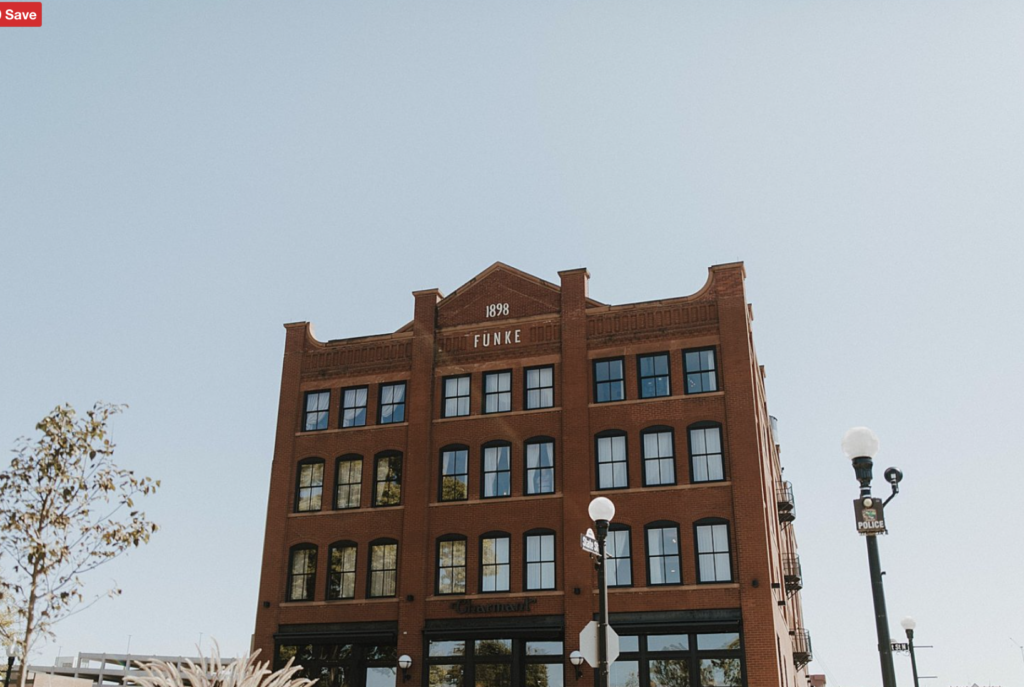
(21, 14)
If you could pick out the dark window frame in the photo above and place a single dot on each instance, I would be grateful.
(468, 396)
(497, 443)
(442, 475)
(663, 524)
(705, 424)
(306, 412)
(384, 541)
(607, 434)
(658, 429)
(640, 375)
(310, 584)
(486, 394)
(495, 534)
(343, 544)
(619, 527)
(298, 483)
(404, 383)
(348, 457)
(707, 522)
(527, 388)
(445, 539)
(345, 408)
(527, 469)
(714, 370)
(540, 532)
(375, 500)
(621, 380)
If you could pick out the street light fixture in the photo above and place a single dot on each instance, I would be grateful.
(12, 653)
(576, 659)
(909, 625)
(860, 445)
(601, 511)
(405, 662)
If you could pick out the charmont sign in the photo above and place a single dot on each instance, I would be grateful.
(517, 606)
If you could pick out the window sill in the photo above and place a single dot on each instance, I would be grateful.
(637, 490)
(656, 399)
(502, 499)
(374, 509)
(336, 430)
(507, 413)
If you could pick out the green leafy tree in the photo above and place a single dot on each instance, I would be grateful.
(65, 509)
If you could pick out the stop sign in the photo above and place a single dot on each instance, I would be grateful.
(589, 644)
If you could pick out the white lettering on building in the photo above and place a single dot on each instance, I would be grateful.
(500, 337)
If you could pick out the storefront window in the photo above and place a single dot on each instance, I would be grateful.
(495, 662)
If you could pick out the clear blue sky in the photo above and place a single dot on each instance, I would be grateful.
(179, 179)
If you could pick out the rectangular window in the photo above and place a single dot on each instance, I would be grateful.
(353, 407)
(654, 377)
(713, 553)
(540, 468)
(540, 387)
(317, 410)
(494, 564)
(310, 488)
(706, 454)
(497, 471)
(619, 570)
(302, 574)
(611, 462)
(609, 382)
(388, 481)
(392, 403)
(451, 567)
(663, 555)
(456, 396)
(350, 484)
(454, 474)
(497, 392)
(659, 458)
(540, 561)
(700, 371)
(383, 569)
(341, 581)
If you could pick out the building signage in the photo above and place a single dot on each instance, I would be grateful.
(498, 337)
(517, 606)
(870, 518)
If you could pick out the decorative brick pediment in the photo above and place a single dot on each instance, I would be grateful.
(498, 293)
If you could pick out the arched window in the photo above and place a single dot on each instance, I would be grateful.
(387, 479)
(301, 572)
(341, 570)
(711, 539)
(383, 579)
(540, 559)
(451, 564)
(612, 470)
(657, 445)
(497, 469)
(309, 485)
(663, 564)
(540, 466)
(495, 554)
(454, 473)
(348, 482)
(706, 463)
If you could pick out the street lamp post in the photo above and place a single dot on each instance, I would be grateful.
(602, 511)
(860, 445)
(909, 625)
(11, 655)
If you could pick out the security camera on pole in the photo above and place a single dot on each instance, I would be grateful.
(860, 445)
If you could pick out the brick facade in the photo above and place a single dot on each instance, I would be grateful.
(546, 325)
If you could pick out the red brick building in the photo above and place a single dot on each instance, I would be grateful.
(429, 489)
